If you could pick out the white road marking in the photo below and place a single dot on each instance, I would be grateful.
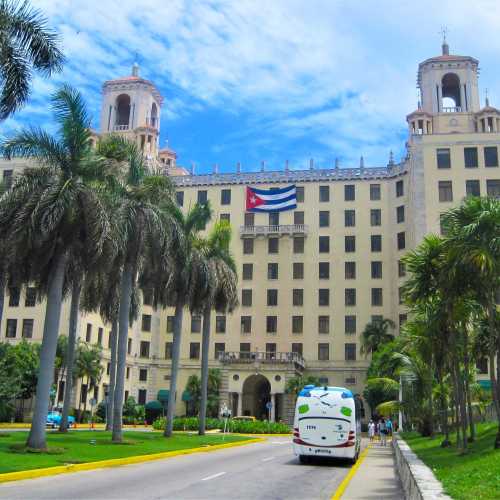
(280, 442)
(267, 459)
(213, 477)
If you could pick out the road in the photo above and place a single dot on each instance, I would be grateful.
(266, 470)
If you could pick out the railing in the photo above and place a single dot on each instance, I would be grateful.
(121, 127)
(262, 357)
(452, 109)
(279, 229)
(152, 122)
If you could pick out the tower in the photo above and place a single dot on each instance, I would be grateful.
(131, 107)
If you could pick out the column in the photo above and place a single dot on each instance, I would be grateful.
(240, 404)
(440, 99)
(463, 104)
(273, 407)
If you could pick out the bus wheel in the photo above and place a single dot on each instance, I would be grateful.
(303, 459)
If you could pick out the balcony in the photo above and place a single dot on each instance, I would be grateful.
(452, 109)
(246, 357)
(121, 128)
(291, 229)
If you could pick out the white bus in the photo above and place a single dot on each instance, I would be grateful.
(327, 423)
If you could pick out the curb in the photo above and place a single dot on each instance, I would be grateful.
(345, 482)
(115, 462)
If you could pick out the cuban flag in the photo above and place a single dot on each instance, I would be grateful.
(271, 200)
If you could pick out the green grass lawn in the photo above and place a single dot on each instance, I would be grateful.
(77, 447)
(475, 475)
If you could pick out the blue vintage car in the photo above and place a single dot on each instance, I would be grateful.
(54, 419)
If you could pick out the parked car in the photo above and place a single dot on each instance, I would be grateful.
(54, 419)
(245, 418)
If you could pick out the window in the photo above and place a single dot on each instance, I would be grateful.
(271, 324)
(445, 191)
(7, 178)
(402, 319)
(194, 350)
(170, 324)
(30, 299)
(349, 192)
(100, 333)
(491, 156)
(401, 269)
(350, 297)
(376, 269)
(144, 349)
(147, 297)
(246, 324)
(377, 318)
(297, 348)
(482, 366)
(298, 217)
(14, 296)
(143, 374)
(129, 346)
(324, 244)
(168, 350)
(225, 197)
(299, 192)
(249, 219)
(323, 324)
(146, 323)
(219, 349)
(245, 349)
(298, 297)
(202, 197)
(324, 218)
(297, 324)
(323, 381)
(11, 329)
(493, 188)
(472, 188)
(350, 352)
(246, 297)
(83, 393)
(350, 380)
(377, 297)
(324, 270)
(350, 324)
(195, 324)
(374, 192)
(443, 158)
(247, 246)
(226, 217)
(298, 270)
(27, 332)
(400, 295)
(470, 158)
(323, 352)
(272, 271)
(88, 333)
(220, 324)
(350, 270)
(141, 396)
(375, 217)
(179, 197)
(400, 214)
(442, 227)
(349, 218)
(324, 193)
(273, 245)
(324, 297)
(376, 242)
(274, 218)
(298, 244)
(350, 244)
(272, 297)
(108, 368)
(401, 240)
(247, 271)
(399, 188)
(270, 350)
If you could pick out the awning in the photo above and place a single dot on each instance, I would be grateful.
(163, 395)
(154, 405)
(485, 384)
(186, 396)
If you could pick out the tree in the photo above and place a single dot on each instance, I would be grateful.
(193, 387)
(295, 384)
(376, 334)
(26, 43)
(380, 390)
(88, 368)
(47, 209)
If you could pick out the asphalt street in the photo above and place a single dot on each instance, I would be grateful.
(266, 470)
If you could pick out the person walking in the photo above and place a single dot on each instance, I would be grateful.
(371, 430)
(389, 427)
(383, 433)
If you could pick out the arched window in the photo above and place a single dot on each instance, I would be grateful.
(154, 115)
(450, 85)
(122, 112)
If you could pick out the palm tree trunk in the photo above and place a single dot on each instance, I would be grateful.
(494, 346)
(86, 397)
(2, 294)
(73, 328)
(36, 437)
(112, 377)
(462, 406)
(205, 346)
(123, 324)
(176, 348)
(472, 430)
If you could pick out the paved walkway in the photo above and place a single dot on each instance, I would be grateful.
(376, 477)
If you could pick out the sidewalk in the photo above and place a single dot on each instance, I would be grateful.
(376, 477)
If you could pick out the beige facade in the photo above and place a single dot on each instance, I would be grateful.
(310, 279)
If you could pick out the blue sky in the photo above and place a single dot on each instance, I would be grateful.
(273, 80)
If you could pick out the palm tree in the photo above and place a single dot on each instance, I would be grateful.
(26, 43)
(88, 367)
(295, 384)
(47, 209)
(221, 295)
(376, 334)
